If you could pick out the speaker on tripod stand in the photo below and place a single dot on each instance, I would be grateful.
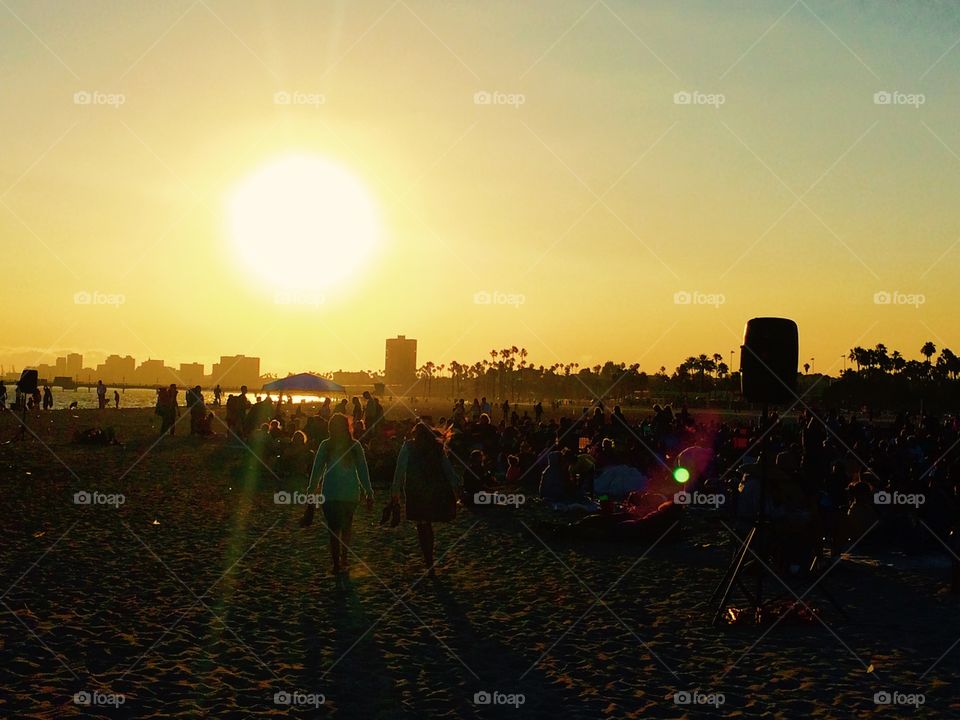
(768, 375)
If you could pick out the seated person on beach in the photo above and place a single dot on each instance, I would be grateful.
(296, 458)
(476, 477)
(233, 412)
(582, 472)
(199, 420)
(261, 443)
(486, 435)
(260, 413)
(275, 429)
(514, 473)
(555, 479)
(95, 436)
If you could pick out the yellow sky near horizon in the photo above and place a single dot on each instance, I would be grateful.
(594, 208)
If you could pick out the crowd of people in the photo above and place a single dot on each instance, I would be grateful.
(36, 400)
(824, 481)
(827, 479)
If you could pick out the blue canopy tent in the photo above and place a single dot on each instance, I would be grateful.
(305, 383)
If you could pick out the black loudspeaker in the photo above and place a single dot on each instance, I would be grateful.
(28, 382)
(768, 360)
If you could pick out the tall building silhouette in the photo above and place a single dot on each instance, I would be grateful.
(400, 362)
(74, 365)
(191, 374)
(235, 370)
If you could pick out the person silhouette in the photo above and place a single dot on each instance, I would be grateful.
(340, 474)
(425, 476)
(357, 411)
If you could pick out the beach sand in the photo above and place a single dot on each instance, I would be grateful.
(199, 596)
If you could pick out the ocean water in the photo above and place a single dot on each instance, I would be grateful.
(141, 397)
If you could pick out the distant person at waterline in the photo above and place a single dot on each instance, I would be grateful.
(167, 408)
(372, 412)
(340, 474)
(116, 399)
(217, 393)
(47, 398)
(101, 394)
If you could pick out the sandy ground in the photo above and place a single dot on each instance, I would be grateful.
(201, 597)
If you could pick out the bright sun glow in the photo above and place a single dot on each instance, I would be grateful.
(302, 222)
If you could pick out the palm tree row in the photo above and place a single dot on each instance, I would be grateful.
(879, 360)
(507, 373)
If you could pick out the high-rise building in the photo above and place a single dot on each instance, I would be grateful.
(116, 369)
(235, 370)
(74, 365)
(191, 374)
(400, 362)
(153, 372)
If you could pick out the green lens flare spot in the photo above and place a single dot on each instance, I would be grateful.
(681, 474)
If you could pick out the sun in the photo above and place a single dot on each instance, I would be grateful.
(302, 222)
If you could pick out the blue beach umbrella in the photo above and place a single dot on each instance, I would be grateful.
(305, 383)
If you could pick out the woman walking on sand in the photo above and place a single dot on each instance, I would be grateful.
(424, 474)
(339, 474)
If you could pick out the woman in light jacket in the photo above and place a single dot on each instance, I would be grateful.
(340, 473)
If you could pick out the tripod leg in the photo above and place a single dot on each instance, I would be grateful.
(733, 572)
(728, 572)
(826, 593)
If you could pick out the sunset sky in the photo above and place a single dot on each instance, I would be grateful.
(586, 197)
